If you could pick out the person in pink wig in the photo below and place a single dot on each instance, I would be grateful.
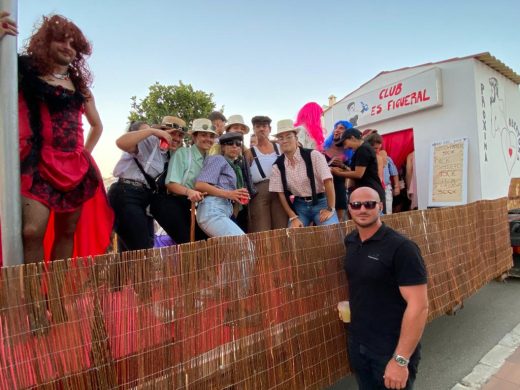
(309, 117)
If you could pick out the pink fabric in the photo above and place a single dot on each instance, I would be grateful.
(309, 116)
(399, 145)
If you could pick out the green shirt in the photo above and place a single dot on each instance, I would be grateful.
(179, 164)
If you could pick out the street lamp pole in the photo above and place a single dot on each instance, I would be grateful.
(10, 210)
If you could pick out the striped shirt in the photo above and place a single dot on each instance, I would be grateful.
(217, 171)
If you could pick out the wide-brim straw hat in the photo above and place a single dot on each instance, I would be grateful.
(285, 126)
(173, 122)
(236, 120)
(202, 125)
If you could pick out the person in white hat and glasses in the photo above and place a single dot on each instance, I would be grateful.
(173, 214)
(305, 174)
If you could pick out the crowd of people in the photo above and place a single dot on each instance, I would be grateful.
(167, 169)
(199, 180)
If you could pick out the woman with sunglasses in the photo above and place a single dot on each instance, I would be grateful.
(142, 161)
(222, 180)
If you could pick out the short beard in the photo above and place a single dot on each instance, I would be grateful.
(365, 224)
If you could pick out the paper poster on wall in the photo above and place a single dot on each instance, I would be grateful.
(448, 173)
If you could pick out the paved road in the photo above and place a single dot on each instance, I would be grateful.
(453, 345)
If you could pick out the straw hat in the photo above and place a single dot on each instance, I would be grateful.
(236, 120)
(172, 122)
(286, 126)
(202, 125)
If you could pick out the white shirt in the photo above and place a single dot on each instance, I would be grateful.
(266, 161)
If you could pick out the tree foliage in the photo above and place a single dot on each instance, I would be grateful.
(177, 100)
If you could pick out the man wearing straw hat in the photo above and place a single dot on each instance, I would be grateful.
(388, 298)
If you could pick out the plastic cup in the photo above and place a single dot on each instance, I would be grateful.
(344, 311)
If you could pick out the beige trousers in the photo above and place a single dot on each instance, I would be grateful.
(266, 211)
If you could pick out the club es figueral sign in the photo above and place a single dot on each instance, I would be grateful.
(418, 92)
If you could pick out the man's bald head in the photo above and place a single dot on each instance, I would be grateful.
(364, 193)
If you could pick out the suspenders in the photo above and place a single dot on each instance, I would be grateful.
(257, 161)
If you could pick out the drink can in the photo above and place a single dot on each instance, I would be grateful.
(164, 145)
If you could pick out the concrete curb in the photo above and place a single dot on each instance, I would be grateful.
(491, 362)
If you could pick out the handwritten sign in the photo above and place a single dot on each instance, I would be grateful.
(448, 173)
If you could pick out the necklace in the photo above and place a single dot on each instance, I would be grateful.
(61, 76)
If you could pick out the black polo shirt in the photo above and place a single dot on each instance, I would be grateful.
(375, 270)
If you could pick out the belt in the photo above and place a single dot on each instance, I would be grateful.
(133, 183)
(321, 195)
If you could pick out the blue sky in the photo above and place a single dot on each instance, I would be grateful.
(268, 57)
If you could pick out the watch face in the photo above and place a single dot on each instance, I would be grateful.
(401, 360)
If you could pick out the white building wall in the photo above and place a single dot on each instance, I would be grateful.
(455, 118)
(498, 121)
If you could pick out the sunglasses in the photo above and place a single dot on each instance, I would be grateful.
(369, 205)
(229, 143)
(173, 126)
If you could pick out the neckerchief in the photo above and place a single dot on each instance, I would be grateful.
(240, 181)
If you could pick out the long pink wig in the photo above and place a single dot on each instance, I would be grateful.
(310, 117)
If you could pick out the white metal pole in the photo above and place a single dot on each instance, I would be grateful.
(10, 212)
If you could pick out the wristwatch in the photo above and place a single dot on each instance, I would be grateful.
(400, 360)
(330, 209)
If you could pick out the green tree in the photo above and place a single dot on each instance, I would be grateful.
(177, 100)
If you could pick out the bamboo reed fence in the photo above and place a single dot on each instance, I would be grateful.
(251, 312)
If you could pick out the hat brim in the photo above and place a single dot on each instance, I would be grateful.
(192, 132)
(241, 124)
(295, 130)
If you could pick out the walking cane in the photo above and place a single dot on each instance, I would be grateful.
(192, 222)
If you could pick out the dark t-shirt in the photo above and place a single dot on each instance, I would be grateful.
(375, 270)
(365, 156)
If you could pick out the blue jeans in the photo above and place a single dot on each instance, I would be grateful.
(369, 367)
(308, 213)
(214, 217)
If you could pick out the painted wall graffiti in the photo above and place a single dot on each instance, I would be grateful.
(498, 126)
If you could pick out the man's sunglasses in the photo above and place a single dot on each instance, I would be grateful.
(229, 143)
(173, 126)
(369, 205)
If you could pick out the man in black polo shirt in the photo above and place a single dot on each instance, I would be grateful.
(363, 166)
(388, 298)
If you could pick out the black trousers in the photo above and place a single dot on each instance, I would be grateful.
(173, 213)
(369, 367)
(133, 225)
